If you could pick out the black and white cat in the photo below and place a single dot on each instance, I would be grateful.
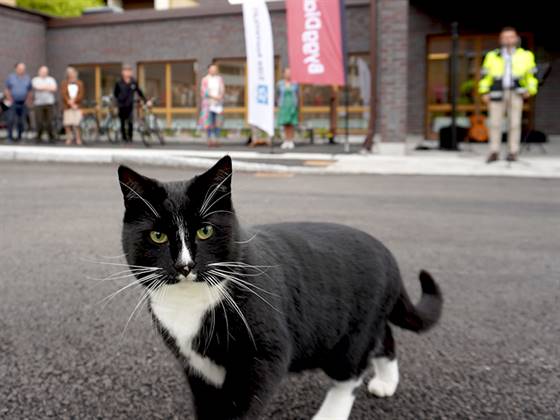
(242, 307)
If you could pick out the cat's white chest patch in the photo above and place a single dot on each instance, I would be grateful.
(180, 308)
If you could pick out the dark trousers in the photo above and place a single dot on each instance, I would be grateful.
(126, 115)
(17, 115)
(44, 120)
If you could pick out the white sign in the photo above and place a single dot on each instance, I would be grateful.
(260, 64)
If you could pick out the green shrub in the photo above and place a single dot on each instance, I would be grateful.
(62, 8)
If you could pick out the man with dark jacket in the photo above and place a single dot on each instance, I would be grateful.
(124, 92)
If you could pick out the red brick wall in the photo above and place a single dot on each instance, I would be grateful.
(201, 39)
(420, 25)
(393, 65)
(22, 38)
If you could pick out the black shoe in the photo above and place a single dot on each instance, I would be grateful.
(511, 157)
(492, 157)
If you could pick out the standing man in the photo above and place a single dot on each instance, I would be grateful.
(508, 79)
(44, 88)
(124, 92)
(18, 92)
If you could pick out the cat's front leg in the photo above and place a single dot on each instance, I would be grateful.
(243, 395)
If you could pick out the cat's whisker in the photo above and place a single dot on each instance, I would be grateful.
(242, 264)
(123, 274)
(120, 264)
(206, 197)
(122, 289)
(111, 257)
(246, 285)
(143, 199)
(247, 241)
(235, 275)
(210, 292)
(214, 280)
(232, 267)
(144, 296)
(216, 211)
(204, 208)
(239, 274)
(214, 202)
(228, 298)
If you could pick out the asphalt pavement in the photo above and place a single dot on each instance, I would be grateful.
(492, 243)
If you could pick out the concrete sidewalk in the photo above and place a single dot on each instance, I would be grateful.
(394, 159)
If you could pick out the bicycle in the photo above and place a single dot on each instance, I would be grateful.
(148, 125)
(109, 125)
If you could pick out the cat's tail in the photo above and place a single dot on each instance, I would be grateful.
(422, 316)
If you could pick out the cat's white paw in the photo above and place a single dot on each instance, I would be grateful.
(386, 379)
(381, 389)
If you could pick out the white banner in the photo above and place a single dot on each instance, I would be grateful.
(260, 64)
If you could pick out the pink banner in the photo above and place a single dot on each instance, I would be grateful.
(315, 46)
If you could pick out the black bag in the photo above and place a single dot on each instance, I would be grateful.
(535, 136)
(445, 138)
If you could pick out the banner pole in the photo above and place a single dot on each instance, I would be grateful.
(346, 65)
(368, 141)
(347, 119)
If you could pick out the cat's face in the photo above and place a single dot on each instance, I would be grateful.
(178, 229)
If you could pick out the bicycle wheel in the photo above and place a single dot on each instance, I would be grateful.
(114, 130)
(89, 128)
(145, 133)
(156, 130)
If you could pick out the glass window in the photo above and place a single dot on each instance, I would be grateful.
(183, 84)
(152, 80)
(316, 95)
(471, 51)
(87, 75)
(110, 74)
(233, 72)
(359, 81)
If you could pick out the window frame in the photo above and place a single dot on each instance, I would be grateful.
(528, 106)
(341, 108)
(97, 67)
(169, 110)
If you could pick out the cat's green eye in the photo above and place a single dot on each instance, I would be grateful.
(158, 237)
(204, 232)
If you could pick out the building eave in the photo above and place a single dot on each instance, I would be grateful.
(139, 16)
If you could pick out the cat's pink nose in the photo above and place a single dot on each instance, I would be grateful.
(184, 269)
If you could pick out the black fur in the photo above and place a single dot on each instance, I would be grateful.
(326, 292)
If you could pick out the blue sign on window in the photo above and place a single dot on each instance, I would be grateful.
(262, 94)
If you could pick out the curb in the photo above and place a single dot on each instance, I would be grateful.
(331, 164)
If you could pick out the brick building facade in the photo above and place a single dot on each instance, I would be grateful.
(411, 70)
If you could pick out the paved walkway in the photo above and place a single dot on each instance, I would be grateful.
(389, 158)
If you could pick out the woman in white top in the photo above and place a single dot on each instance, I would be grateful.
(72, 93)
(212, 91)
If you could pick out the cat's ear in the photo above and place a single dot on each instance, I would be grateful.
(219, 174)
(133, 185)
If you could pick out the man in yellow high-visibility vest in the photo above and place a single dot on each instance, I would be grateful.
(508, 78)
